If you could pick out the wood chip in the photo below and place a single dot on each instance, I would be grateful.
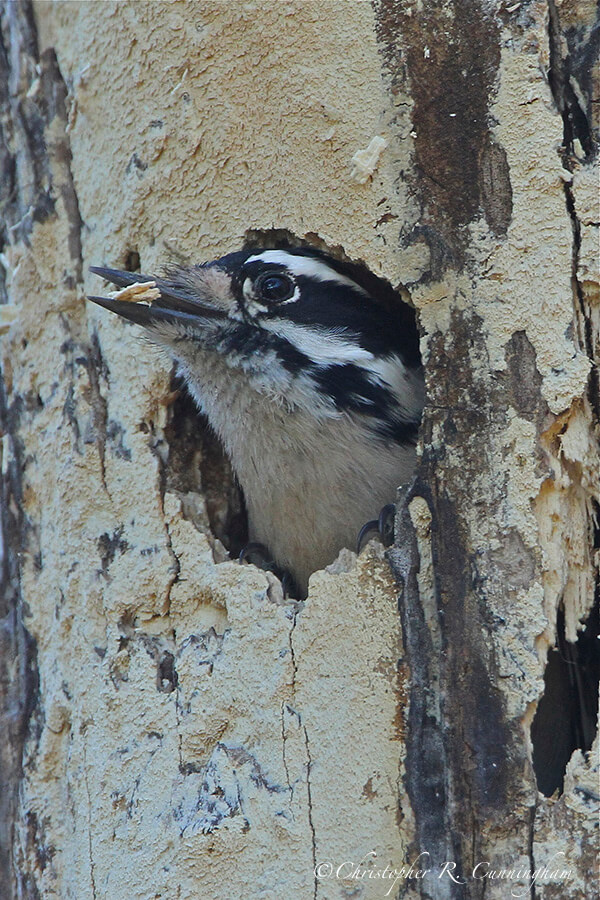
(139, 292)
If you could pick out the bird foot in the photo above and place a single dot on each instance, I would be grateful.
(257, 554)
(382, 526)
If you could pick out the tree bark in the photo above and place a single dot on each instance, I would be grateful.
(173, 727)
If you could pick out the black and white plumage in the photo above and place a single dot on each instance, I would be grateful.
(309, 370)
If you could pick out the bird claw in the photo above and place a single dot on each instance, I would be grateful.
(383, 526)
(258, 555)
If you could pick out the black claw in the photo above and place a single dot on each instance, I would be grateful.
(383, 526)
(258, 555)
(367, 528)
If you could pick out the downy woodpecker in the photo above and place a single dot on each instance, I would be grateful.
(308, 369)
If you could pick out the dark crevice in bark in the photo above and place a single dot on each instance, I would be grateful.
(309, 764)
(576, 67)
(23, 200)
(196, 465)
(582, 310)
(427, 764)
(90, 831)
(167, 678)
(570, 68)
(567, 714)
(95, 367)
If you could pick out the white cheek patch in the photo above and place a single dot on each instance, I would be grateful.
(307, 266)
(252, 306)
(325, 347)
(248, 290)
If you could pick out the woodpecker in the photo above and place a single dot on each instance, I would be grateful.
(308, 369)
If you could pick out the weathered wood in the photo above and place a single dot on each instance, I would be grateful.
(171, 727)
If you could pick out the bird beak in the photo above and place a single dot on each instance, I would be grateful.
(169, 302)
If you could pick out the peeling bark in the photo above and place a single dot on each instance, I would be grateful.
(473, 791)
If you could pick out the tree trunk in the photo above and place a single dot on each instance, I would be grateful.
(173, 727)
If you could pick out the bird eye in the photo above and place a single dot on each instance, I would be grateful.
(274, 287)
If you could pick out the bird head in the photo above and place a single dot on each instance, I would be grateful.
(301, 327)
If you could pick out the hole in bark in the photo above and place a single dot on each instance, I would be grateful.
(132, 261)
(197, 468)
(566, 716)
(166, 675)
